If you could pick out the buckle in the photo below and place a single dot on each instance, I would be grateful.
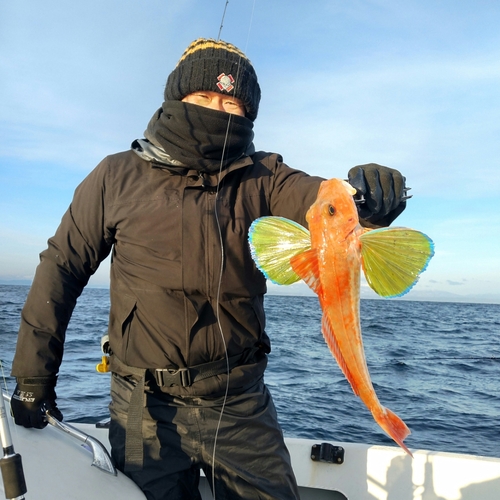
(168, 377)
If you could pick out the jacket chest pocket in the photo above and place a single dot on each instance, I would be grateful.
(121, 316)
(151, 228)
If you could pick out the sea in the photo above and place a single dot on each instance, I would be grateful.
(436, 364)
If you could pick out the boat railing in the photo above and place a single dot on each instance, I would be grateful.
(100, 456)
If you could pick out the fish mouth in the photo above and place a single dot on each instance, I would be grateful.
(352, 225)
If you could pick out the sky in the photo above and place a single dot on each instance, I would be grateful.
(413, 85)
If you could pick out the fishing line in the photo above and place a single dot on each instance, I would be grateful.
(217, 311)
(222, 20)
(219, 285)
(4, 378)
(222, 255)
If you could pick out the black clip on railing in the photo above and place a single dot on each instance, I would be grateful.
(328, 453)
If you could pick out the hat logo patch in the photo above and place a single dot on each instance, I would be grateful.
(225, 82)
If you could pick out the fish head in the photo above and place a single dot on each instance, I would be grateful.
(334, 209)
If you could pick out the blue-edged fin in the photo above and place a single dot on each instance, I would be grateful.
(273, 242)
(394, 258)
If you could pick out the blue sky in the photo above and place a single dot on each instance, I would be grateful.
(414, 85)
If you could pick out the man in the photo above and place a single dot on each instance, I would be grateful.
(187, 325)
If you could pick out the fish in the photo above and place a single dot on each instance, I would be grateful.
(329, 257)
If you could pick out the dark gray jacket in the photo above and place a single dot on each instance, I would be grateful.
(181, 272)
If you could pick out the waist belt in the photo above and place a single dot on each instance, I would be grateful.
(184, 377)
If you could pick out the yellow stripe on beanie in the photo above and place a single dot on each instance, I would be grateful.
(210, 43)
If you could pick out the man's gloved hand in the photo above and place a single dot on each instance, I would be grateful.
(29, 396)
(384, 192)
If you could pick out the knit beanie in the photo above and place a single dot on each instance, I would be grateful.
(217, 66)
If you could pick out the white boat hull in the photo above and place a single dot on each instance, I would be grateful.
(56, 466)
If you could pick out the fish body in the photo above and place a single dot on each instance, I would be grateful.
(336, 255)
(329, 258)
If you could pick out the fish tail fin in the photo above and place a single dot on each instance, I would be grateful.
(393, 426)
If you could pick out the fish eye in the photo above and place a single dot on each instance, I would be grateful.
(331, 209)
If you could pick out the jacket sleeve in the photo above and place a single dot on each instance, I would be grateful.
(295, 191)
(73, 254)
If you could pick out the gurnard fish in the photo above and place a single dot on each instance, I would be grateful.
(329, 258)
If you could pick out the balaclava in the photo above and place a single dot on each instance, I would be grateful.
(198, 137)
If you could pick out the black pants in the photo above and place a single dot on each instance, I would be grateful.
(250, 460)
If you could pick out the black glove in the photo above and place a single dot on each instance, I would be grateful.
(383, 190)
(29, 396)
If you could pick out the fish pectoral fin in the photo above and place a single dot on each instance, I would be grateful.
(394, 258)
(273, 242)
(306, 266)
(329, 335)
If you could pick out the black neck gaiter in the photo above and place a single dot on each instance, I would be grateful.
(200, 138)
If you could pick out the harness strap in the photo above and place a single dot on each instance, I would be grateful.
(134, 454)
(185, 377)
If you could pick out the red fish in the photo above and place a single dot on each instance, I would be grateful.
(329, 258)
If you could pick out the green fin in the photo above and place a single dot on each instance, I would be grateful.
(273, 242)
(394, 258)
